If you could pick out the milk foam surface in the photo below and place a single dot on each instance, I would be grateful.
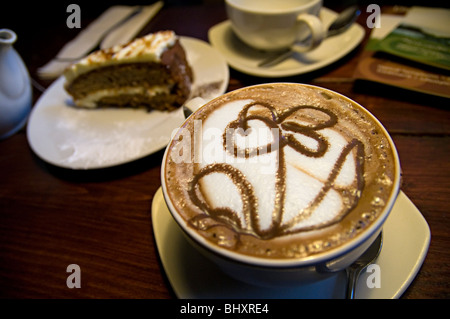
(282, 171)
(305, 176)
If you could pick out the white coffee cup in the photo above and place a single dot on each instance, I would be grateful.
(246, 254)
(271, 25)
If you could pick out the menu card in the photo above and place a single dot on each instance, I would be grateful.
(411, 52)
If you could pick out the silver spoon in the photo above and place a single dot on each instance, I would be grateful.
(342, 22)
(362, 262)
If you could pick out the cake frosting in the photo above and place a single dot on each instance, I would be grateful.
(151, 72)
(146, 49)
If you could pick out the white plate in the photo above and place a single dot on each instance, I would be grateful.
(77, 138)
(245, 59)
(406, 237)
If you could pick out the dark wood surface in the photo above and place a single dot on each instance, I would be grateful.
(101, 219)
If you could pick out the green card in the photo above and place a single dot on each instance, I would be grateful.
(418, 44)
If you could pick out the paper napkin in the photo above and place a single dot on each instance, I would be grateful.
(88, 38)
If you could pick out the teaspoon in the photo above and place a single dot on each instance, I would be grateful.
(362, 262)
(342, 22)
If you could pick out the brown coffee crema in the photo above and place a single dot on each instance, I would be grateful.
(290, 111)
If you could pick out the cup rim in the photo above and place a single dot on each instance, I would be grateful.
(294, 9)
(7, 36)
(294, 262)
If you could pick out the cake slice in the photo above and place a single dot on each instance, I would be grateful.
(149, 72)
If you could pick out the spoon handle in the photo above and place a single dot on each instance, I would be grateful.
(275, 59)
(352, 275)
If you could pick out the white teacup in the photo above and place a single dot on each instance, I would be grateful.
(270, 25)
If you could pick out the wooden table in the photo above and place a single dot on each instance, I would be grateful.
(101, 220)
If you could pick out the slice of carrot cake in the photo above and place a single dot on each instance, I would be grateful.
(150, 72)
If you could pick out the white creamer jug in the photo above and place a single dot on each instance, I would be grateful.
(15, 87)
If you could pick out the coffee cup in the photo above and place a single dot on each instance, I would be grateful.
(276, 25)
(281, 183)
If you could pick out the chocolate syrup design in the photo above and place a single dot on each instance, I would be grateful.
(286, 127)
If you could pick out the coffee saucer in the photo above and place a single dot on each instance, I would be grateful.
(245, 59)
(406, 237)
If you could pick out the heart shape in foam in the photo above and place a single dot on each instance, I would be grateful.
(274, 172)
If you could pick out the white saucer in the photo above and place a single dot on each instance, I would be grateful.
(77, 138)
(406, 237)
(245, 59)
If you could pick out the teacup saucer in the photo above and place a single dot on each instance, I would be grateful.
(245, 59)
(406, 237)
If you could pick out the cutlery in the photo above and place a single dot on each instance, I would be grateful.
(362, 262)
(187, 111)
(119, 23)
(342, 22)
(192, 105)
